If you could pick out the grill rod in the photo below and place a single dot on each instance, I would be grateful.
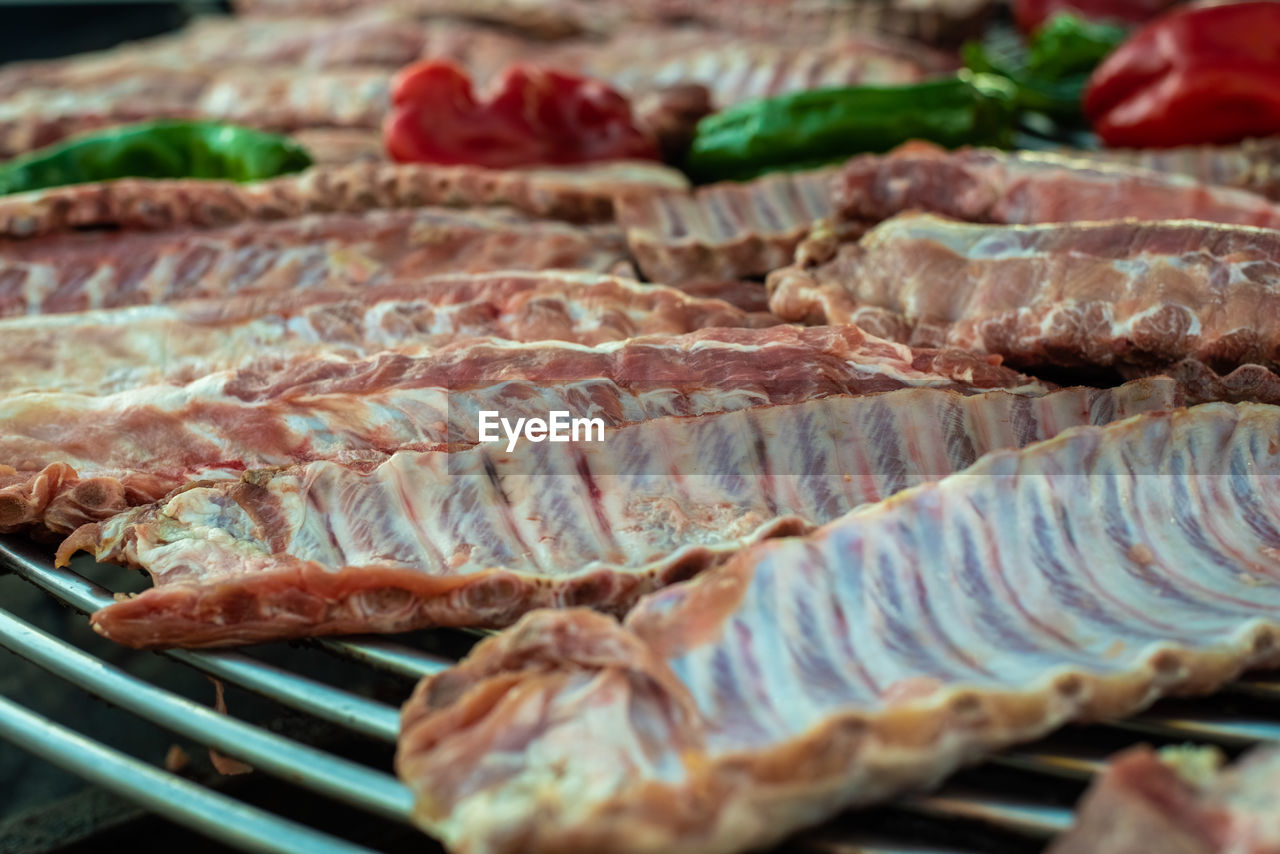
(334, 705)
(1026, 819)
(190, 804)
(281, 757)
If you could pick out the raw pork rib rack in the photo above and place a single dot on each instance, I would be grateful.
(1013, 803)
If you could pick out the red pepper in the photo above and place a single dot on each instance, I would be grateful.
(533, 116)
(1031, 14)
(1199, 75)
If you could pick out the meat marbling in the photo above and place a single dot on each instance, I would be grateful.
(1095, 293)
(66, 459)
(110, 350)
(75, 272)
(1078, 579)
(984, 185)
(477, 537)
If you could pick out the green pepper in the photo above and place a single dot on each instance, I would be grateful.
(1050, 73)
(162, 149)
(824, 125)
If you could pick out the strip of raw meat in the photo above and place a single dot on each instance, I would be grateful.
(342, 146)
(73, 458)
(1247, 383)
(101, 352)
(946, 23)
(1178, 802)
(74, 272)
(276, 99)
(724, 231)
(583, 194)
(534, 17)
(1250, 165)
(1078, 579)
(478, 537)
(211, 43)
(736, 69)
(983, 185)
(1097, 293)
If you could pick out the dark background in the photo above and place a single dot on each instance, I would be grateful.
(48, 28)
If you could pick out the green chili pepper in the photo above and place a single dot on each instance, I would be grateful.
(823, 125)
(163, 149)
(1051, 71)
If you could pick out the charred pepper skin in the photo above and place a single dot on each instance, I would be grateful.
(825, 125)
(162, 149)
(1197, 75)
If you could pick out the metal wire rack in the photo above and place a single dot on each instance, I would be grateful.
(1014, 803)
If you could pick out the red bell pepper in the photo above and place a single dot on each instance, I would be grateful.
(533, 116)
(1198, 75)
(1031, 14)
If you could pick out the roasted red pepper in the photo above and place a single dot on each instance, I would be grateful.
(1199, 75)
(533, 116)
(1032, 13)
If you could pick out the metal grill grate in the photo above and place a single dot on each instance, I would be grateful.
(1013, 803)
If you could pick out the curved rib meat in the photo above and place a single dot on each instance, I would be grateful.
(727, 230)
(478, 537)
(1248, 165)
(66, 459)
(984, 185)
(75, 272)
(1093, 293)
(111, 350)
(583, 194)
(1080, 578)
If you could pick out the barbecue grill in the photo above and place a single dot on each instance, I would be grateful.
(1013, 803)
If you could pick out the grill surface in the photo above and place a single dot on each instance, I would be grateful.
(1014, 803)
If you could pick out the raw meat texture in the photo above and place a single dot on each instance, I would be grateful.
(948, 23)
(74, 458)
(275, 99)
(1200, 383)
(1078, 579)
(1100, 293)
(585, 194)
(1250, 165)
(727, 230)
(1144, 802)
(671, 115)
(984, 185)
(534, 17)
(480, 536)
(101, 352)
(104, 269)
(734, 68)
(341, 146)
(210, 43)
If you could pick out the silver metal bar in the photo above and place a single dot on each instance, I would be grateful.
(387, 656)
(1027, 819)
(1237, 732)
(1049, 764)
(359, 714)
(1264, 687)
(188, 803)
(298, 763)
